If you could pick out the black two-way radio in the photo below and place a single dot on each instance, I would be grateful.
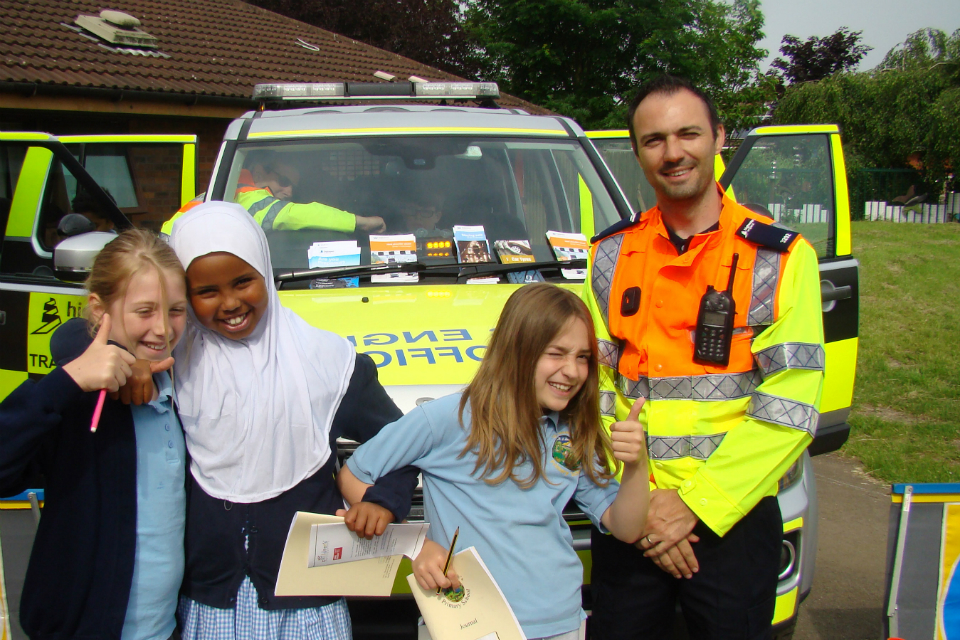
(715, 323)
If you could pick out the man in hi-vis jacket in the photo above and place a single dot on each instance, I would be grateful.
(731, 388)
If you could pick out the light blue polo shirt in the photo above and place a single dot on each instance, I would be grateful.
(161, 514)
(519, 533)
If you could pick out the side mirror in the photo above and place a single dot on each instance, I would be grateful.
(73, 257)
(73, 224)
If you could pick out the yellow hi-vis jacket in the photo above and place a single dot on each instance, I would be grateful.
(273, 213)
(721, 436)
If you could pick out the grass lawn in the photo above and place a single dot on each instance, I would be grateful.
(906, 403)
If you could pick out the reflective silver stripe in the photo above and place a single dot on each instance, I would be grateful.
(788, 413)
(272, 214)
(790, 355)
(766, 271)
(716, 386)
(261, 204)
(608, 403)
(604, 266)
(675, 447)
(609, 353)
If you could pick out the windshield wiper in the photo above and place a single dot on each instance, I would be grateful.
(459, 271)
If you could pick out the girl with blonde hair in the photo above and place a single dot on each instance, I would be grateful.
(108, 558)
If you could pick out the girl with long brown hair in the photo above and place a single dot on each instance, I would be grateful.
(501, 460)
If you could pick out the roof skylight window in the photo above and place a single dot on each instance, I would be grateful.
(117, 28)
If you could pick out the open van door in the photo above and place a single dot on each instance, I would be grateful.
(796, 174)
(43, 178)
(110, 180)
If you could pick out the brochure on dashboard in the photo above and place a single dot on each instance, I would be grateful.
(569, 246)
(395, 249)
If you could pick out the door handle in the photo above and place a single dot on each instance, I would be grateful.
(829, 294)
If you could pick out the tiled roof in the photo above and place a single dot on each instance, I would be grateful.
(205, 48)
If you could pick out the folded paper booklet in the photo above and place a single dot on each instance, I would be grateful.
(514, 251)
(338, 253)
(569, 246)
(476, 610)
(472, 245)
(393, 250)
(323, 558)
(334, 543)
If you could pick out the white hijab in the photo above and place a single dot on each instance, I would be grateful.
(256, 412)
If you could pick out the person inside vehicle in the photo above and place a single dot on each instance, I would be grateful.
(421, 214)
(266, 186)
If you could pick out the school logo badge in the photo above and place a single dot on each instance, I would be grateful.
(455, 595)
(561, 454)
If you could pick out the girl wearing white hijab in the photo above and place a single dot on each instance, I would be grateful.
(263, 397)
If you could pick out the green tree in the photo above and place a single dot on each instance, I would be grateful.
(818, 58)
(585, 58)
(428, 31)
(907, 111)
(925, 49)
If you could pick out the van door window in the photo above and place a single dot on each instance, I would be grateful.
(143, 179)
(60, 197)
(789, 178)
(11, 160)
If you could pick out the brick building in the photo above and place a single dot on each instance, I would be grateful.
(189, 66)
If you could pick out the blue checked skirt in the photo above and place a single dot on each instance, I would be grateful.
(249, 621)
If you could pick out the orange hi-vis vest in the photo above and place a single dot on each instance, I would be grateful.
(244, 185)
(721, 435)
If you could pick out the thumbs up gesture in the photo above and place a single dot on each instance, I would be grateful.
(102, 365)
(627, 437)
(139, 387)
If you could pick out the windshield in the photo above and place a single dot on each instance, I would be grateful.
(347, 190)
(619, 156)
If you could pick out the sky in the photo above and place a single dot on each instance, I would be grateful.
(884, 23)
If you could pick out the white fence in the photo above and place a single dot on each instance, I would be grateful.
(924, 213)
(807, 214)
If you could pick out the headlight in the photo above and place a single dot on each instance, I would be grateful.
(793, 474)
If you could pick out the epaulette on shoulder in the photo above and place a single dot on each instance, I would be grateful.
(767, 235)
(612, 229)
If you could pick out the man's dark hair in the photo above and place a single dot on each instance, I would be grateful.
(669, 85)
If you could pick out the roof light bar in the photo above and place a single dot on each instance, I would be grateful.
(376, 91)
(299, 91)
(457, 89)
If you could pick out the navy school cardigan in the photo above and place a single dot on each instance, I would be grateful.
(217, 556)
(81, 566)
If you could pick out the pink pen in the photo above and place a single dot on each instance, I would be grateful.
(96, 412)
